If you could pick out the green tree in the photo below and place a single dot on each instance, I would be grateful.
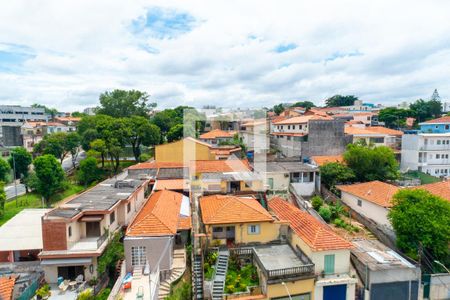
(50, 176)
(175, 133)
(335, 173)
(325, 213)
(339, 100)
(4, 170)
(22, 161)
(421, 220)
(54, 144)
(278, 109)
(305, 104)
(371, 163)
(50, 111)
(87, 137)
(77, 114)
(2, 199)
(88, 171)
(316, 202)
(99, 146)
(121, 103)
(141, 132)
(72, 145)
(425, 110)
(395, 117)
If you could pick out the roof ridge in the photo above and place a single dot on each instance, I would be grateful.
(253, 208)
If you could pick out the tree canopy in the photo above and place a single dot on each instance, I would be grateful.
(4, 170)
(335, 173)
(22, 160)
(49, 176)
(50, 111)
(425, 110)
(371, 163)
(141, 132)
(88, 171)
(121, 103)
(395, 117)
(305, 104)
(431, 233)
(278, 109)
(339, 100)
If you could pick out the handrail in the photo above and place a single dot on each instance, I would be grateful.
(102, 239)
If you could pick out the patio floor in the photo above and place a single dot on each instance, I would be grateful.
(58, 295)
(144, 281)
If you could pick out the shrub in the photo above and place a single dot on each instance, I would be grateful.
(316, 202)
(336, 210)
(325, 213)
(144, 157)
(86, 295)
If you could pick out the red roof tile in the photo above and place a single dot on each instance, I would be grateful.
(218, 166)
(217, 133)
(320, 160)
(441, 189)
(156, 165)
(377, 192)
(444, 119)
(318, 236)
(7, 287)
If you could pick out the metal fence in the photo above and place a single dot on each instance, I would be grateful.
(31, 289)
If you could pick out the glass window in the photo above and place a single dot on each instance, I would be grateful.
(112, 217)
(329, 264)
(438, 142)
(253, 229)
(217, 229)
(70, 231)
(128, 207)
(138, 257)
(438, 156)
(359, 202)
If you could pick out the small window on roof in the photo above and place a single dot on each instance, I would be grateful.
(112, 217)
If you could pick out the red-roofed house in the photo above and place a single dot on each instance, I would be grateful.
(7, 288)
(215, 136)
(329, 252)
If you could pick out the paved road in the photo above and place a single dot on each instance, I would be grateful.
(67, 163)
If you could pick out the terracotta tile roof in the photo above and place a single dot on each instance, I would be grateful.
(171, 184)
(217, 133)
(64, 119)
(184, 223)
(441, 189)
(7, 287)
(227, 209)
(302, 119)
(320, 160)
(357, 130)
(35, 124)
(256, 122)
(218, 166)
(318, 236)
(444, 119)
(377, 192)
(384, 130)
(278, 119)
(371, 130)
(365, 114)
(159, 216)
(225, 151)
(156, 165)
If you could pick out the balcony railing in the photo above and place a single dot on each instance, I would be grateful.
(102, 239)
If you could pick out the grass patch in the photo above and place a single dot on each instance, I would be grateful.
(424, 178)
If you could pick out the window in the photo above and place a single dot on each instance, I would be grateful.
(438, 156)
(253, 229)
(217, 229)
(438, 142)
(112, 217)
(289, 126)
(447, 127)
(293, 126)
(70, 231)
(128, 207)
(138, 257)
(359, 202)
(288, 138)
(329, 264)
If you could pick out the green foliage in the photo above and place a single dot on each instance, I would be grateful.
(72, 145)
(103, 295)
(113, 253)
(316, 202)
(208, 266)
(50, 111)
(2, 199)
(87, 137)
(144, 157)
(339, 100)
(121, 103)
(395, 117)
(43, 291)
(52, 144)
(141, 132)
(88, 171)
(87, 294)
(424, 178)
(305, 104)
(4, 170)
(335, 173)
(240, 276)
(184, 292)
(175, 133)
(421, 219)
(22, 161)
(342, 224)
(278, 109)
(371, 163)
(236, 141)
(325, 213)
(50, 176)
(336, 210)
(425, 110)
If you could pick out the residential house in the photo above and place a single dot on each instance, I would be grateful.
(68, 121)
(21, 236)
(227, 151)
(329, 253)
(217, 136)
(78, 231)
(184, 151)
(279, 176)
(370, 199)
(223, 177)
(162, 225)
(320, 160)
(7, 287)
(376, 135)
(440, 189)
(428, 150)
(385, 274)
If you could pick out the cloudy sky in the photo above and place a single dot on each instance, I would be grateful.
(226, 53)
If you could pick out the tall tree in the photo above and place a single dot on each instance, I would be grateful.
(49, 111)
(425, 110)
(335, 173)
(121, 103)
(304, 104)
(395, 117)
(72, 145)
(175, 133)
(21, 162)
(99, 146)
(87, 137)
(2, 199)
(4, 170)
(339, 100)
(141, 132)
(88, 171)
(278, 108)
(54, 144)
(421, 221)
(50, 176)
(371, 163)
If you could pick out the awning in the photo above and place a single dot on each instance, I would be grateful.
(66, 262)
(96, 218)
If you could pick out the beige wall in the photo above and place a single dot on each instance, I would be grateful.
(280, 181)
(182, 150)
(51, 272)
(269, 231)
(368, 209)
(294, 288)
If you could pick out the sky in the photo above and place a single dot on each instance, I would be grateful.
(226, 53)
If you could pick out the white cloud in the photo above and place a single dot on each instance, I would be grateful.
(381, 51)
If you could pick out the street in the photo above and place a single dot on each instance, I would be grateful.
(67, 162)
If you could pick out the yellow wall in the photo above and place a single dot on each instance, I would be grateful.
(294, 288)
(256, 185)
(268, 231)
(175, 152)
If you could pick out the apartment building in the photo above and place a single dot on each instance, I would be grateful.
(329, 253)
(428, 150)
(77, 232)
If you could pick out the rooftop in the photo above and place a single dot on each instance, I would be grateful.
(294, 166)
(376, 256)
(318, 236)
(377, 192)
(441, 189)
(217, 133)
(229, 165)
(275, 257)
(226, 209)
(441, 120)
(171, 184)
(320, 160)
(23, 231)
(302, 119)
(7, 287)
(156, 165)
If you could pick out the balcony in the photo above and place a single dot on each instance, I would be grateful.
(88, 243)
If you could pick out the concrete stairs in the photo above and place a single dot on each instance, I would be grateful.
(179, 267)
(197, 277)
(220, 275)
(137, 272)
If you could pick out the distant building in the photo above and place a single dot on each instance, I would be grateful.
(385, 274)
(216, 136)
(33, 132)
(376, 135)
(184, 150)
(90, 111)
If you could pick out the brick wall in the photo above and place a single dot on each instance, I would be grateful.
(54, 235)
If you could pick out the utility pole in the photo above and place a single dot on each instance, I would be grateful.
(15, 181)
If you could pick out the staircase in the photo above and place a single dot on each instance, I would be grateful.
(178, 268)
(220, 275)
(198, 277)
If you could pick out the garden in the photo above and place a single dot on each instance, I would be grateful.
(209, 264)
(241, 275)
